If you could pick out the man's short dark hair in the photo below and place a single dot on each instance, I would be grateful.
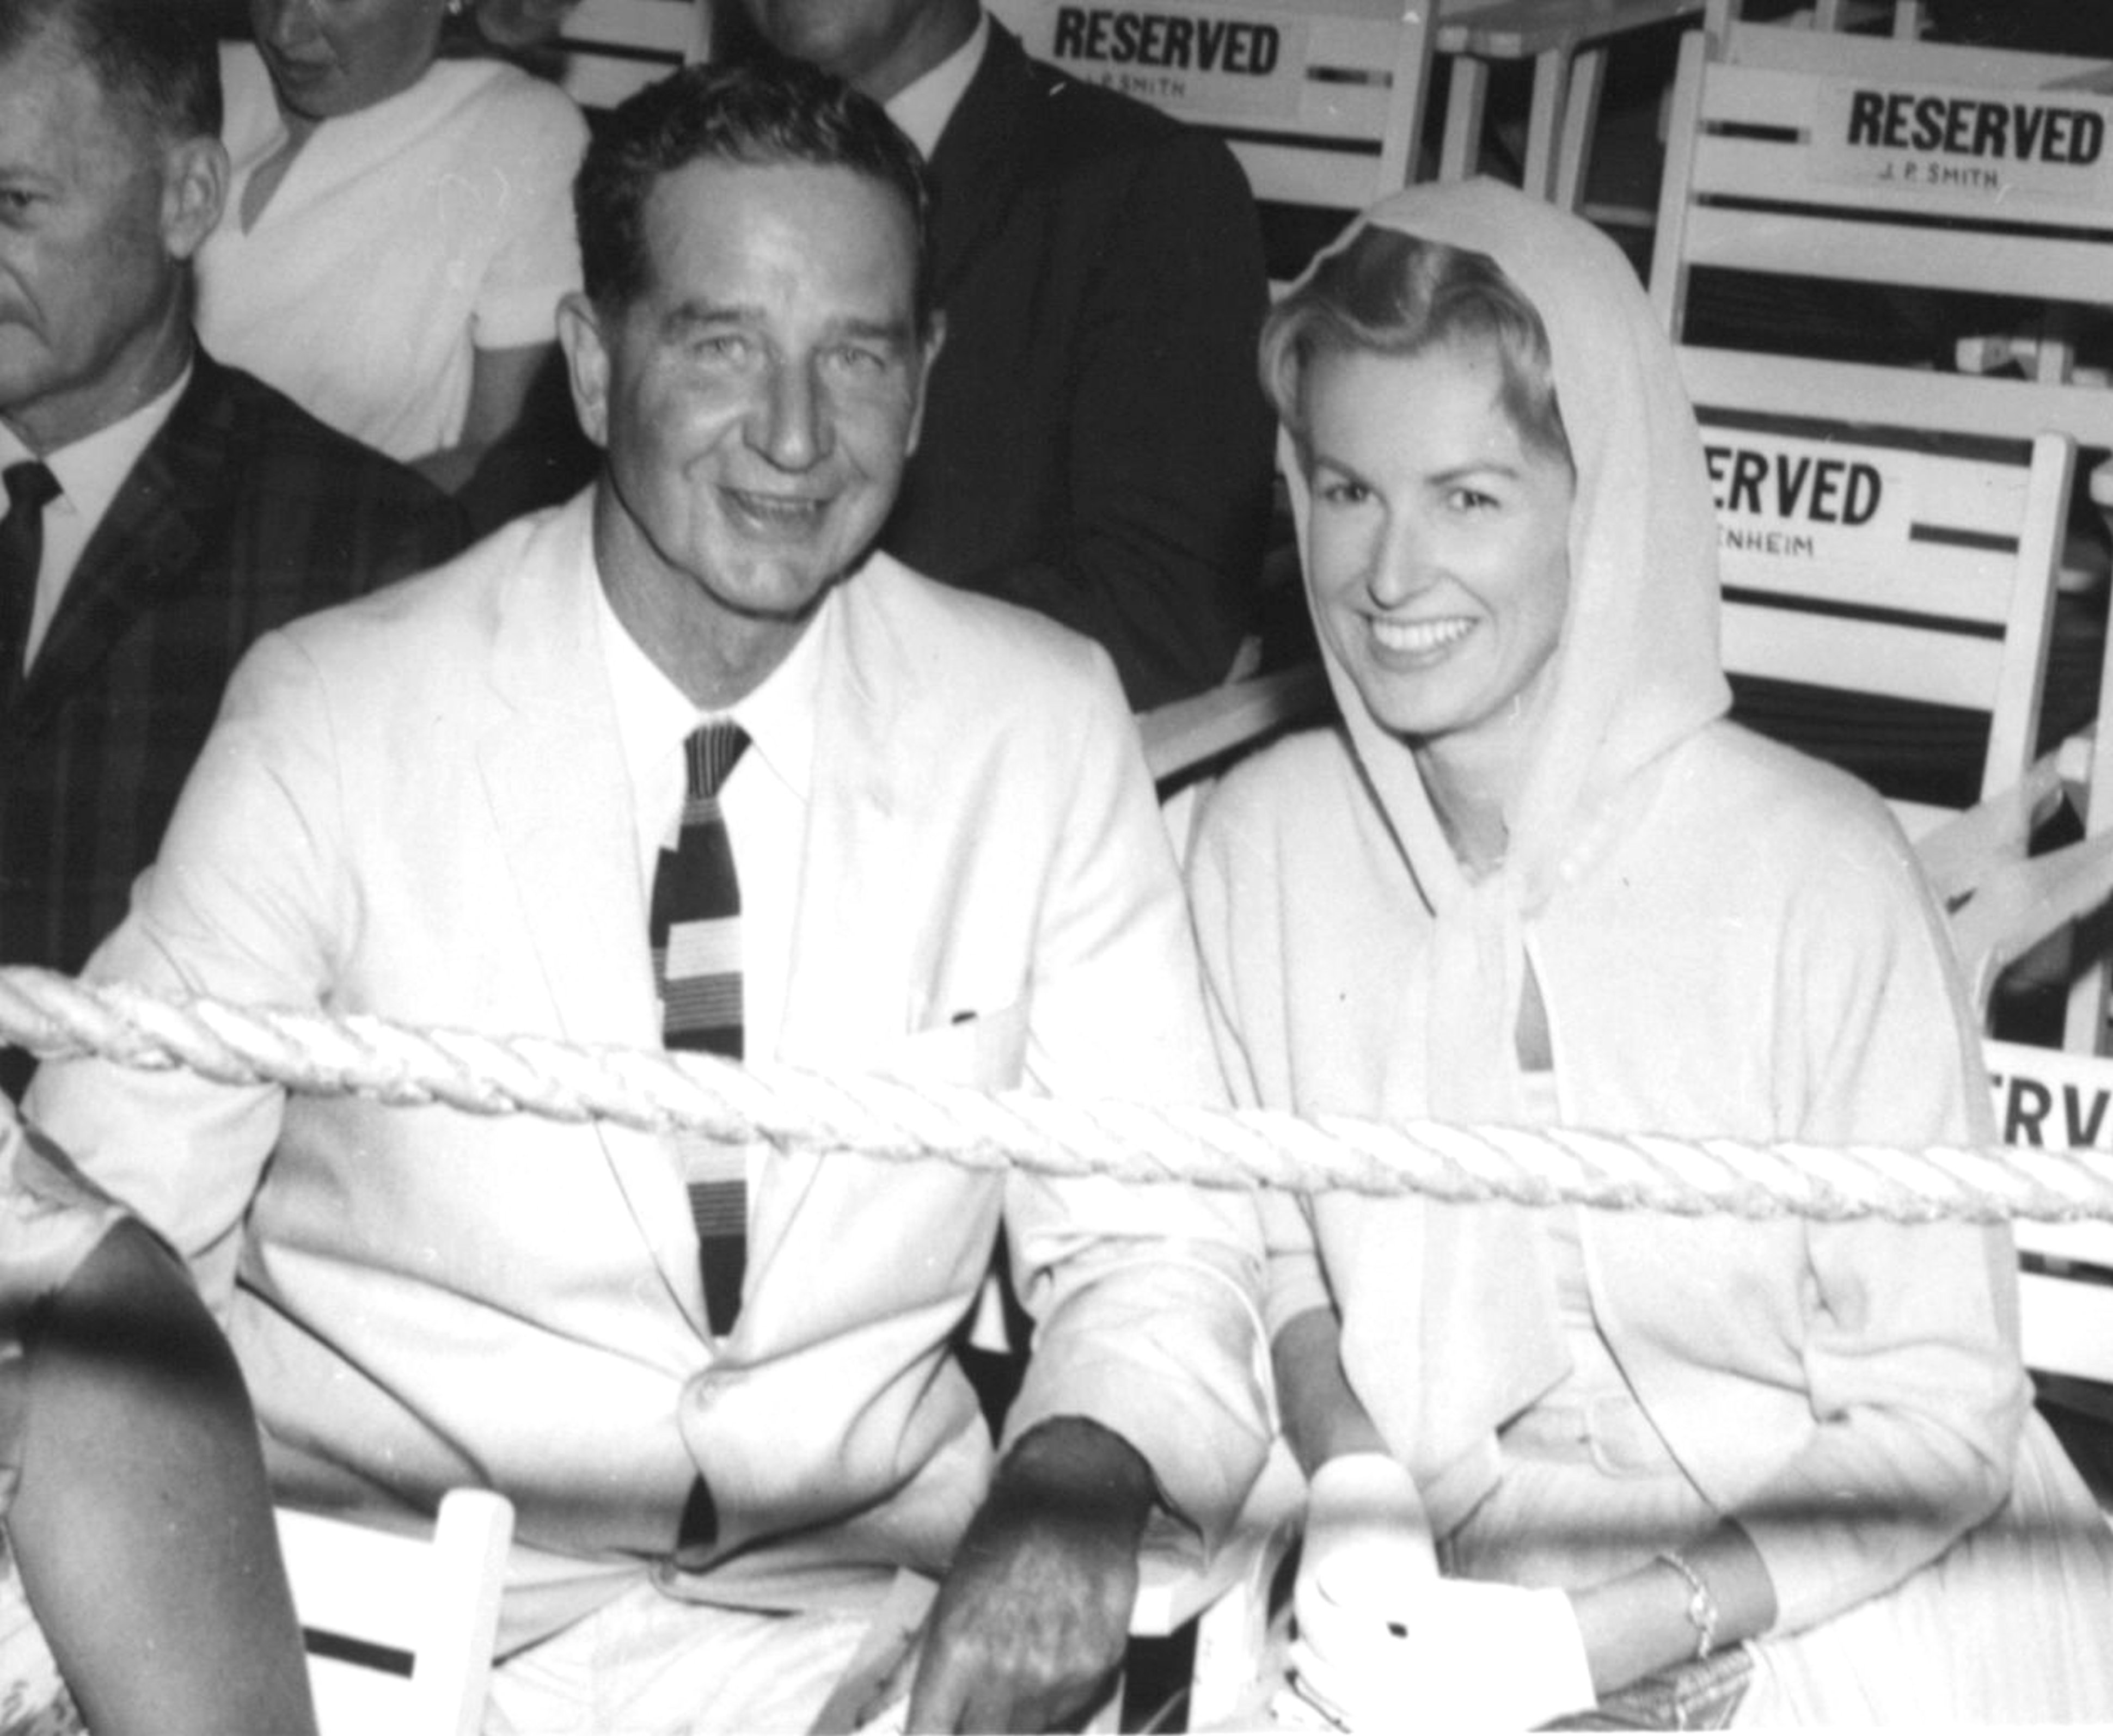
(757, 113)
(159, 58)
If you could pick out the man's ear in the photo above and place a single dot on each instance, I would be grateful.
(194, 192)
(586, 363)
(935, 340)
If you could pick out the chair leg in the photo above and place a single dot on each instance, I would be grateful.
(1467, 94)
(1545, 122)
(1581, 115)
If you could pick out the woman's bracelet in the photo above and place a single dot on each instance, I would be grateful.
(1702, 1612)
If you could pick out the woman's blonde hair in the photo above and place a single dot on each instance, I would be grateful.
(1390, 294)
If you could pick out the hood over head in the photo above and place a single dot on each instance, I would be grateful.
(1637, 668)
(1635, 672)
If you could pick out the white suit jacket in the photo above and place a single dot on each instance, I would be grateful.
(414, 806)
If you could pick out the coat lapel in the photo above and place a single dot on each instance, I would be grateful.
(560, 800)
(147, 546)
(982, 158)
(849, 994)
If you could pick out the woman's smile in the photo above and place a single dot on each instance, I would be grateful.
(1427, 640)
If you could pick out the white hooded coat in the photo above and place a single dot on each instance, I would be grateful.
(1729, 940)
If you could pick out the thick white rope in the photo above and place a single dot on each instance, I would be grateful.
(797, 1110)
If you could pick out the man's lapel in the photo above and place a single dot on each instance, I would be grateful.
(982, 158)
(847, 995)
(168, 510)
(560, 799)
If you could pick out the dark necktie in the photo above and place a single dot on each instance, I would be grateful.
(696, 964)
(30, 486)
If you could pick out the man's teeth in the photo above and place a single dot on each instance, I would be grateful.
(779, 508)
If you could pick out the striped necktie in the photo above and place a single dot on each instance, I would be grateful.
(696, 964)
(29, 484)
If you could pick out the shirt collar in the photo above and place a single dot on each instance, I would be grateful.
(91, 470)
(654, 716)
(923, 107)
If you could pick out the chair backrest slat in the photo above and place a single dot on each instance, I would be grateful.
(400, 1625)
(612, 48)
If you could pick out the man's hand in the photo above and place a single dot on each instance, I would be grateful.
(1029, 1627)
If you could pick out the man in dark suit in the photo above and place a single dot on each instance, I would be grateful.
(1095, 445)
(163, 510)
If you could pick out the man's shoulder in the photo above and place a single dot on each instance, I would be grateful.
(286, 510)
(1740, 778)
(980, 641)
(952, 662)
(470, 593)
(1093, 113)
(279, 452)
(1080, 122)
(494, 101)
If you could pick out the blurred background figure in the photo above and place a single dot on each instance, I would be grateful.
(141, 1588)
(1094, 443)
(398, 235)
(161, 510)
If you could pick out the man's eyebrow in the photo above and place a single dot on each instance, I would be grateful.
(895, 330)
(711, 314)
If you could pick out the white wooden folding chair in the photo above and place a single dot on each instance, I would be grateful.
(612, 48)
(1568, 44)
(399, 1626)
(1914, 563)
(1228, 1598)
(1800, 153)
(1803, 154)
(1322, 103)
(2002, 903)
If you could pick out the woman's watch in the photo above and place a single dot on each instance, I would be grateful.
(1702, 1612)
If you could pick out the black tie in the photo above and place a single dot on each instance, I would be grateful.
(30, 486)
(696, 960)
(696, 965)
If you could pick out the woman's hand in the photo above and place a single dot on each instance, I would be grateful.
(1382, 1639)
(1453, 1655)
(1367, 1545)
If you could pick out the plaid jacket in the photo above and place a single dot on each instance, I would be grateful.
(244, 513)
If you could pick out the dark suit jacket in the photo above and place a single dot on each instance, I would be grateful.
(243, 512)
(1095, 444)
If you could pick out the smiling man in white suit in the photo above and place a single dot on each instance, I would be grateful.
(448, 804)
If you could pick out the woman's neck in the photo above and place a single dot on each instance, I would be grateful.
(1473, 824)
(1473, 786)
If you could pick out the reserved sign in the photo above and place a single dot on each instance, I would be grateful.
(2050, 144)
(1801, 499)
(1206, 58)
(2049, 1097)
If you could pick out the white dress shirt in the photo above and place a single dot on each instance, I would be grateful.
(765, 798)
(923, 107)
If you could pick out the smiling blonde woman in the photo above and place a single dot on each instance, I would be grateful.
(1695, 1471)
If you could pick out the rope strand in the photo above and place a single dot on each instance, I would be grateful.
(798, 1110)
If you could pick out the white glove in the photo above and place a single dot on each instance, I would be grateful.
(1469, 1656)
(1367, 1545)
